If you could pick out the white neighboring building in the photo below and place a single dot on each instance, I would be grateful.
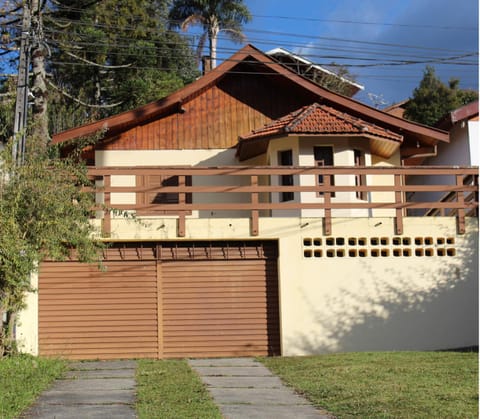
(463, 150)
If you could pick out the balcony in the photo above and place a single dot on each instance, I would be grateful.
(255, 191)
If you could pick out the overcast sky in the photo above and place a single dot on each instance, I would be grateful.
(377, 33)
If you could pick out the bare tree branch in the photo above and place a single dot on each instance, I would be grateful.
(95, 64)
(57, 24)
(9, 12)
(64, 93)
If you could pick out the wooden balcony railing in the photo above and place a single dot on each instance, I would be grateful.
(179, 191)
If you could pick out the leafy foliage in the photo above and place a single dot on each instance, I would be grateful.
(336, 82)
(44, 213)
(112, 52)
(7, 108)
(98, 54)
(432, 99)
(213, 16)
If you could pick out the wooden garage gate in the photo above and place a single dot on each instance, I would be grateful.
(165, 300)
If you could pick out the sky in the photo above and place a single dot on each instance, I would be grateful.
(368, 36)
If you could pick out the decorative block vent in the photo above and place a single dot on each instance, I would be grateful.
(378, 247)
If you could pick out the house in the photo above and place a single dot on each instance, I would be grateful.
(270, 218)
(397, 109)
(462, 150)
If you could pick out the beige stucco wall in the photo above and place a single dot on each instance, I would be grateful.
(302, 156)
(332, 301)
(343, 147)
(27, 324)
(338, 304)
(208, 158)
(333, 296)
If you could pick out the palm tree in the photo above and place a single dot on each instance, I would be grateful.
(213, 16)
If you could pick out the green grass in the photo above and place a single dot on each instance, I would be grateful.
(386, 384)
(22, 378)
(170, 389)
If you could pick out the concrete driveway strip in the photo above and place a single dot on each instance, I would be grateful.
(243, 388)
(103, 389)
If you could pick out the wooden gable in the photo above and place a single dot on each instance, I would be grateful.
(215, 117)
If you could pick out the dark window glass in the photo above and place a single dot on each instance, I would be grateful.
(323, 156)
(285, 158)
(360, 180)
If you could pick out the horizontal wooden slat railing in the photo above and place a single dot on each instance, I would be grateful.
(257, 183)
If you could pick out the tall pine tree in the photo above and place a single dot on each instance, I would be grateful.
(112, 55)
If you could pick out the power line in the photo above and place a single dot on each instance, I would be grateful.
(269, 33)
(310, 19)
(360, 22)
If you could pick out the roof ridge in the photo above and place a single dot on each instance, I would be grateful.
(355, 121)
(277, 121)
(304, 113)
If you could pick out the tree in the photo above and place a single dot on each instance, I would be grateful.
(213, 16)
(44, 213)
(113, 52)
(432, 99)
(91, 59)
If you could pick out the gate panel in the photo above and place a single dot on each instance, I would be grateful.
(85, 313)
(220, 308)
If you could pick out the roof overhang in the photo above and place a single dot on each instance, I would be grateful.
(466, 112)
(248, 149)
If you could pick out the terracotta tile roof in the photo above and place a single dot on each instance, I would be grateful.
(321, 119)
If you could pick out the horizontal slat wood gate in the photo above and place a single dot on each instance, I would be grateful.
(85, 313)
(167, 300)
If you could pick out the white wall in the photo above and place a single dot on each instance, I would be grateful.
(462, 150)
(474, 147)
(27, 323)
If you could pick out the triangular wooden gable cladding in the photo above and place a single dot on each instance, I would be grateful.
(240, 95)
(214, 118)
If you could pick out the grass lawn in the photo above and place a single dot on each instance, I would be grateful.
(22, 378)
(170, 389)
(386, 384)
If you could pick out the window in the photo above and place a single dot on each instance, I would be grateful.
(323, 156)
(360, 180)
(285, 158)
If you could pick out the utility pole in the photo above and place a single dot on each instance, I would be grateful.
(21, 104)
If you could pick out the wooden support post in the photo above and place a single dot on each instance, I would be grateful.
(107, 218)
(182, 214)
(327, 220)
(254, 213)
(460, 211)
(398, 202)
